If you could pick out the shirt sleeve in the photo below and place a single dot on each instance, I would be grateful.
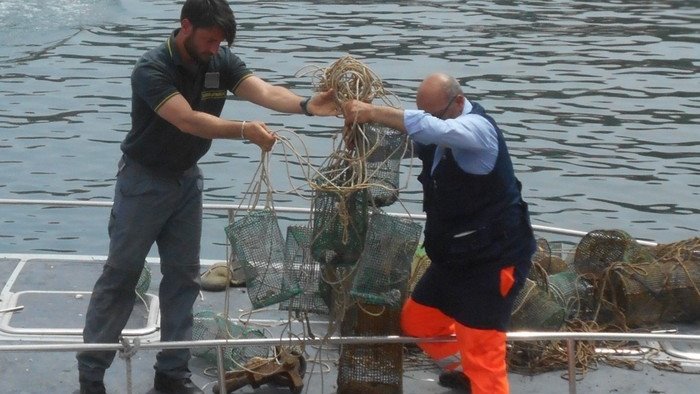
(235, 69)
(152, 84)
(472, 138)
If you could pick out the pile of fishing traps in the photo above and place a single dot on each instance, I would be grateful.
(608, 283)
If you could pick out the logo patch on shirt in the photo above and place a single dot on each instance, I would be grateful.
(213, 94)
(211, 80)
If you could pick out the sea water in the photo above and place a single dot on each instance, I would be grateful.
(599, 102)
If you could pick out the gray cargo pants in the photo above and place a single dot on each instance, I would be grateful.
(148, 208)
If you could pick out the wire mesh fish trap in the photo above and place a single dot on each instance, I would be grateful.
(208, 325)
(385, 264)
(305, 271)
(598, 249)
(386, 148)
(573, 292)
(546, 260)
(376, 368)
(656, 292)
(257, 242)
(339, 227)
(536, 309)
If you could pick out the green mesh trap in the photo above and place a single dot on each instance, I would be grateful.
(385, 264)
(257, 242)
(386, 148)
(305, 271)
(536, 309)
(339, 227)
(208, 325)
(599, 249)
(573, 292)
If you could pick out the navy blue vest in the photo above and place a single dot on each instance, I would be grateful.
(491, 205)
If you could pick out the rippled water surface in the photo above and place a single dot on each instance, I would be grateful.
(599, 100)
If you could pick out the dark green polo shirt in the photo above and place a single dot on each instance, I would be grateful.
(159, 75)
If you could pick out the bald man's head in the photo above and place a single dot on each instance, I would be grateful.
(437, 94)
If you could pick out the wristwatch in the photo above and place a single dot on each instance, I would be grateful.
(303, 104)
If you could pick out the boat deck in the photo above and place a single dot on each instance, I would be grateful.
(44, 298)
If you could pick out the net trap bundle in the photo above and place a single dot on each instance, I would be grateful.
(257, 242)
(365, 254)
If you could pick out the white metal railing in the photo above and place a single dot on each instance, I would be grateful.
(231, 208)
(129, 348)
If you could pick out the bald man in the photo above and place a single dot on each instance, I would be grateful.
(477, 233)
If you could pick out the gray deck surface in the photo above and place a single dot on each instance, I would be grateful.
(55, 372)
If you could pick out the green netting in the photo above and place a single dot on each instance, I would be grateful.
(386, 147)
(208, 325)
(535, 309)
(257, 242)
(339, 227)
(144, 282)
(305, 271)
(385, 264)
(574, 293)
(598, 249)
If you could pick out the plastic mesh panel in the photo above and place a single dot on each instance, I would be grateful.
(383, 160)
(385, 264)
(144, 282)
(257, 242)
(306, 272)
(339, 227)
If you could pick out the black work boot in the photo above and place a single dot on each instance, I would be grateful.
(456, 380)
(92, 387)
(166, 384)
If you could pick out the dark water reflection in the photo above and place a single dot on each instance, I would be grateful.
(600, 102)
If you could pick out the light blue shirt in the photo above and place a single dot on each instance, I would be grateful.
(472, 138)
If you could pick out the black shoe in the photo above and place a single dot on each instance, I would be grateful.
(92, 387)
(166, 384)
(456, 380)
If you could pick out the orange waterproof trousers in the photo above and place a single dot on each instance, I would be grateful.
(482, 352)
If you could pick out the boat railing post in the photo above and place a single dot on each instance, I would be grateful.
(126, 353)
(570, 351)
(220, 367)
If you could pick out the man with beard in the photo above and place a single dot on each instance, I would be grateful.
(179, 90)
